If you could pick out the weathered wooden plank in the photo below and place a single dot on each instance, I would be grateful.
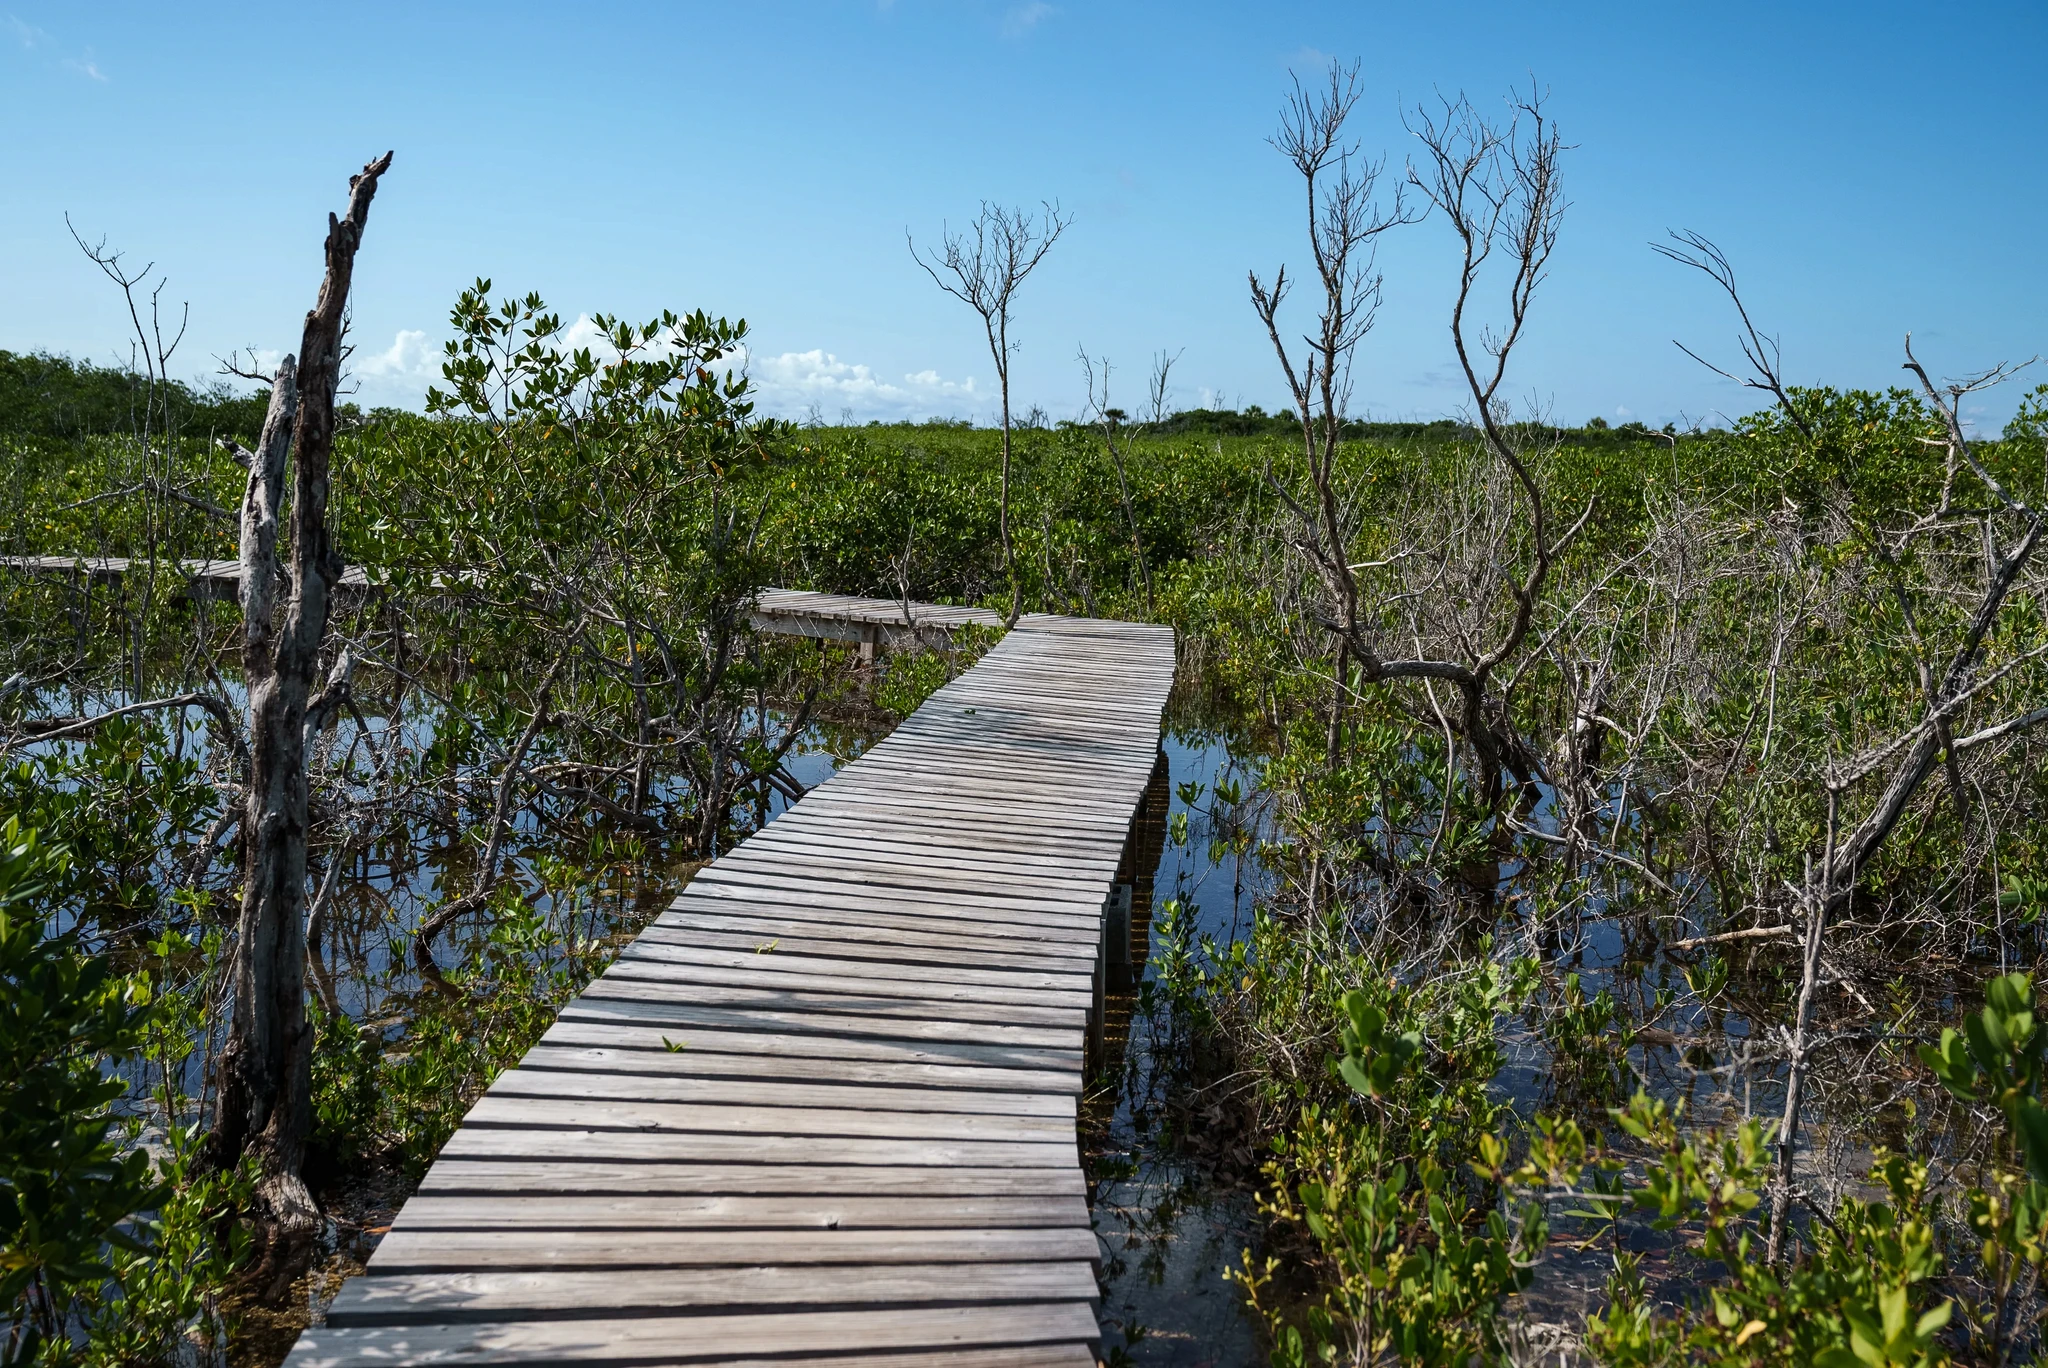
(1014, 795)
(693, 1147)
(1015, 902)
(660, 1004)
(451, 1176)
(1068, 920)
(797, 848)
(775, 839)
(417, 1298)
(625, 983)
(528, 1080)
(861, 936)
(1010, 896)
(767, 975)
(436, 1251)
(639, 1211)
(804, 942)
(779, 960)
(588, 1046)
(796, 857)
(962, 818)
(989, 837)
(996, 758)
(525, 1109)
(697, 1339)
(1021, 789)
(589, 1026)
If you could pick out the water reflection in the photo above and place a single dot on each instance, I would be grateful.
(1168, 1232)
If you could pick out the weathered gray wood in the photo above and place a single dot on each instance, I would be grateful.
(418, 1298)
(692, 1147)
(621, 982)
(780, 960)
(433, 1251)
(1044, 816)
(525, 1110)
(1063, 920)
(526, 1177)
(638, 1211)
(986, 838)
(588, 1027)
(531, 1081)
(884, 870)
(824, 1106)
(1047, 870)
(654, 1004)
(860, 938)
(1019, 791)
(697, 1339)
(582, 1045)
(961, 1002)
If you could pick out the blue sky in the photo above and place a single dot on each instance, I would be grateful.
(1870, 169)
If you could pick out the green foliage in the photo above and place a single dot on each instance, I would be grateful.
(398, 1091)
(1373, 1160)
(1866, 1293)
(66, 1188)
(1374, 1056)
(56, 397)
(109, 1256)
(906, 678)
(605, 505)
(122, 803)
(1996, 1059)
(1862, 1297)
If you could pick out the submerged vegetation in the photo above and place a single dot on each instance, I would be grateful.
(1646, 826)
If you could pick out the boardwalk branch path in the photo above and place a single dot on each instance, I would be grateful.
(824, 1107)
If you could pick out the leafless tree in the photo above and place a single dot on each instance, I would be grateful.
(266, 1068)
(1345, 221)
(982, 267)
(154, 340)
(1946, 636)
(1466, 599)
(1119, 433)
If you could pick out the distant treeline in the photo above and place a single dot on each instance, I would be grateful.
(56, 397)
(1254, 421)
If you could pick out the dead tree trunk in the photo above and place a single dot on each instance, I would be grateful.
(266, 1069)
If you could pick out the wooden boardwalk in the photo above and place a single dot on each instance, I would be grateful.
(219, 579)
(871, 622)
(823, 1109)
(789, 612)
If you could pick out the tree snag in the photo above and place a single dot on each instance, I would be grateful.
(266, 1104)
(983, 272)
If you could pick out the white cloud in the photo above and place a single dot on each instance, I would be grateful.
(398, 376)
(31, 38)
(408, 355)
(791, 384)
(584, 332)
(1021, 19)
